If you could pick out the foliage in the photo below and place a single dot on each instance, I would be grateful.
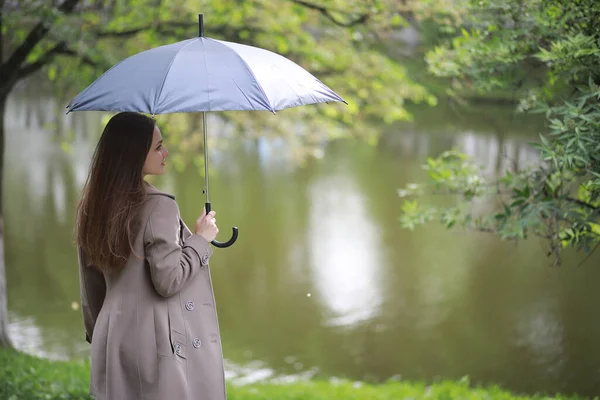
(548, 53)
(332, 39)
(27, 377)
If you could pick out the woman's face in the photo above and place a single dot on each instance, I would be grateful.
(155, 160)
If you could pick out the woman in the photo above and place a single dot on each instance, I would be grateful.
(146, 292)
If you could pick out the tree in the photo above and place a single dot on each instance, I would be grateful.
(73, 41)
(546, 53)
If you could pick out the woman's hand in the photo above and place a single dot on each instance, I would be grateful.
(206, 225)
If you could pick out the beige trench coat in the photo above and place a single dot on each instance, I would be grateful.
(153, 324)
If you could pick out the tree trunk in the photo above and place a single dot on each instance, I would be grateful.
(4, 337)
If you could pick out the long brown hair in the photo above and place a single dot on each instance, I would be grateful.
(107, 215)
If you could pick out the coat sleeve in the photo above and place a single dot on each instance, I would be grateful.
(172, 264)
(93, 291)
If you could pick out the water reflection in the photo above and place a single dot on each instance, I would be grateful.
(494, 138)
(496, 155)
(540, 332)
(344, 250)
(27, 336)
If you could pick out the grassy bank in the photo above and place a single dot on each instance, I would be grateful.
(23, 377)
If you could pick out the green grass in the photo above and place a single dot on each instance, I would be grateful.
(24, 377)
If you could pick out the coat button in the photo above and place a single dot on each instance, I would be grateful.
(178, 349)
(197, 343)
(205, 259)
(189, 305)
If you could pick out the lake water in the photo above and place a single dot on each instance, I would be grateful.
(322, 282)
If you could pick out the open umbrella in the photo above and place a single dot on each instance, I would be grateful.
(202, 75)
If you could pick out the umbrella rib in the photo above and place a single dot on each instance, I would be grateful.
(251, 73)
(162, 85)
(242, 92)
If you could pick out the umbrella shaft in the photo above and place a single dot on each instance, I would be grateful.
(205, 156)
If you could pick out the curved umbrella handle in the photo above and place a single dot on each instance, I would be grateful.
(228, 243)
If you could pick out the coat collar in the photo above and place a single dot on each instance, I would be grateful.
(151, 190)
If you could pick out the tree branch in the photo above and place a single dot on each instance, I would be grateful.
(84, 59)
(10, 69)
(59, 49)
(169, 28)
(165, 27)
(33, 67)
(1, 35)
(591, 253)
(26, 7)
(582, 203)
(159, 27)
(361, 19)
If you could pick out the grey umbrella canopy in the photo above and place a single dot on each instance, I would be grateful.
(202, 75)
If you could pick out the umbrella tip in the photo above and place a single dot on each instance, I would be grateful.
(200, 25)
